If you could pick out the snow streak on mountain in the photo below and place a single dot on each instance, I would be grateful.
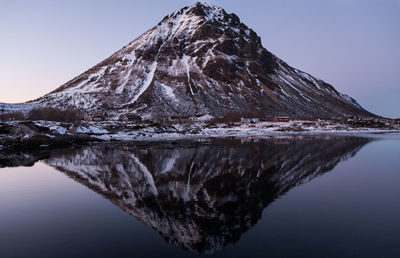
(200, 60)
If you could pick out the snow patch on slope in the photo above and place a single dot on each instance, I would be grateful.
(168, 91)
(146, 82)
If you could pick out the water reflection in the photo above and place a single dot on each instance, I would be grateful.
(202, 196)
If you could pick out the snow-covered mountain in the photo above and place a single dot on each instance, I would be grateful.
(200, 60)
(202, 196)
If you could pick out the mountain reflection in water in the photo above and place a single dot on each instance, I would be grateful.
(202, 196)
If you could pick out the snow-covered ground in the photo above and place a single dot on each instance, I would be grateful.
(121, 131)
(126, 131)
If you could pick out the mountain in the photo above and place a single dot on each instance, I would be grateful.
(202, 196)
(200, 60)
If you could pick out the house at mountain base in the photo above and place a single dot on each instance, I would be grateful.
(279, 119)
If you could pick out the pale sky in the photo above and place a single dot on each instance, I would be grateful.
(352, 44)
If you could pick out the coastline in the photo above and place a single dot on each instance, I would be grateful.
(41, 134)
(25, 142)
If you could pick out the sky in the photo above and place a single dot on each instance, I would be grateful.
(352, 44)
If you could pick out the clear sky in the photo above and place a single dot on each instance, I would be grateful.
(352, 44)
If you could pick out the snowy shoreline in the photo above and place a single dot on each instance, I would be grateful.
(24, 142)
(43, 132)
(222, 132)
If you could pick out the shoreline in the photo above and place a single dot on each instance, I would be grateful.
(25, 142)
(44, 134)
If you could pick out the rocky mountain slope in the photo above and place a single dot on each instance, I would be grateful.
(200, 60)
(202, 196)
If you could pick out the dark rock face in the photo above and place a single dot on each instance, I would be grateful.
(201, 60)
(202, 196)
(17, 159)
(23, 143)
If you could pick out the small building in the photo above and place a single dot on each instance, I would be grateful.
(98, 118)
(284, 119)
(249, 119)
(201, 118)
(131, 117)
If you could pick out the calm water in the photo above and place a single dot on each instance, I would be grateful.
(310, 197)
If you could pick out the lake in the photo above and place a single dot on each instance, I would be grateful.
(303, 196)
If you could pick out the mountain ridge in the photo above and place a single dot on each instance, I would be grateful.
(200, 60)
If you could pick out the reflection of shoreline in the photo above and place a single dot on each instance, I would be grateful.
(17, 136)
(202, 196)
(29, 156)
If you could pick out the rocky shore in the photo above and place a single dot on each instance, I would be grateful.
(24, 142)
(36, 135)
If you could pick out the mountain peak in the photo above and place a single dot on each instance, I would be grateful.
(207, 10)
(202, 12)
(201, 60)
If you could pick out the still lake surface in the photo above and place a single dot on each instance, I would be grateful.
(282, 197)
